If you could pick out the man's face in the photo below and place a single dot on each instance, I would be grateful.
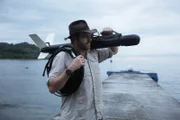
(84, 41)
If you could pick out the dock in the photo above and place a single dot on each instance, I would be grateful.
(131, 96)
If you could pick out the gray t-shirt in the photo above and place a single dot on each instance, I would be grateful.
(86, 103)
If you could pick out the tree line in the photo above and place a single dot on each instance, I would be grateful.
(18, 51)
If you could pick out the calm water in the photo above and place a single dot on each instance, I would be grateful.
(24, 95)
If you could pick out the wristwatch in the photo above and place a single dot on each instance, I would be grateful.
(68, 72)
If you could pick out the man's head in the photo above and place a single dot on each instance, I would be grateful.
(80, 34)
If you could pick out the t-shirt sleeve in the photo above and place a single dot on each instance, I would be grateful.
(58, 65)
(104, 54)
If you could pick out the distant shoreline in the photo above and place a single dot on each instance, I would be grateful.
(18, 51)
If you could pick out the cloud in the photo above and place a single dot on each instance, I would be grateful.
(157, 22)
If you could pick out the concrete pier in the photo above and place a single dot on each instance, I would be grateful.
(137, 97)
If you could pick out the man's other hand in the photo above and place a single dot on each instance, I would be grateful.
(107, 31)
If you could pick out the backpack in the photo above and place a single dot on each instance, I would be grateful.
(76, 78)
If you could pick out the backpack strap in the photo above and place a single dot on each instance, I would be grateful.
(67, 49)
(74, 81)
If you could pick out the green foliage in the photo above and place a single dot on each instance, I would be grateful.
(18, 51)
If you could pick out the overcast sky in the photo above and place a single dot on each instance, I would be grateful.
(157, 22)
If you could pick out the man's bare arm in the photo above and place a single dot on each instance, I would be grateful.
(57, 83)
(114, 50)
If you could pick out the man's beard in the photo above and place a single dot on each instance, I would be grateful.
(85, 46)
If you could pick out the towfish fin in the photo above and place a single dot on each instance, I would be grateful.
(41, 44)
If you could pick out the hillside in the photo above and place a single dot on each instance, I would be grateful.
(18, 51)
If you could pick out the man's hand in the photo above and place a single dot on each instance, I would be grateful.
(77, 63)
(107, 31)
